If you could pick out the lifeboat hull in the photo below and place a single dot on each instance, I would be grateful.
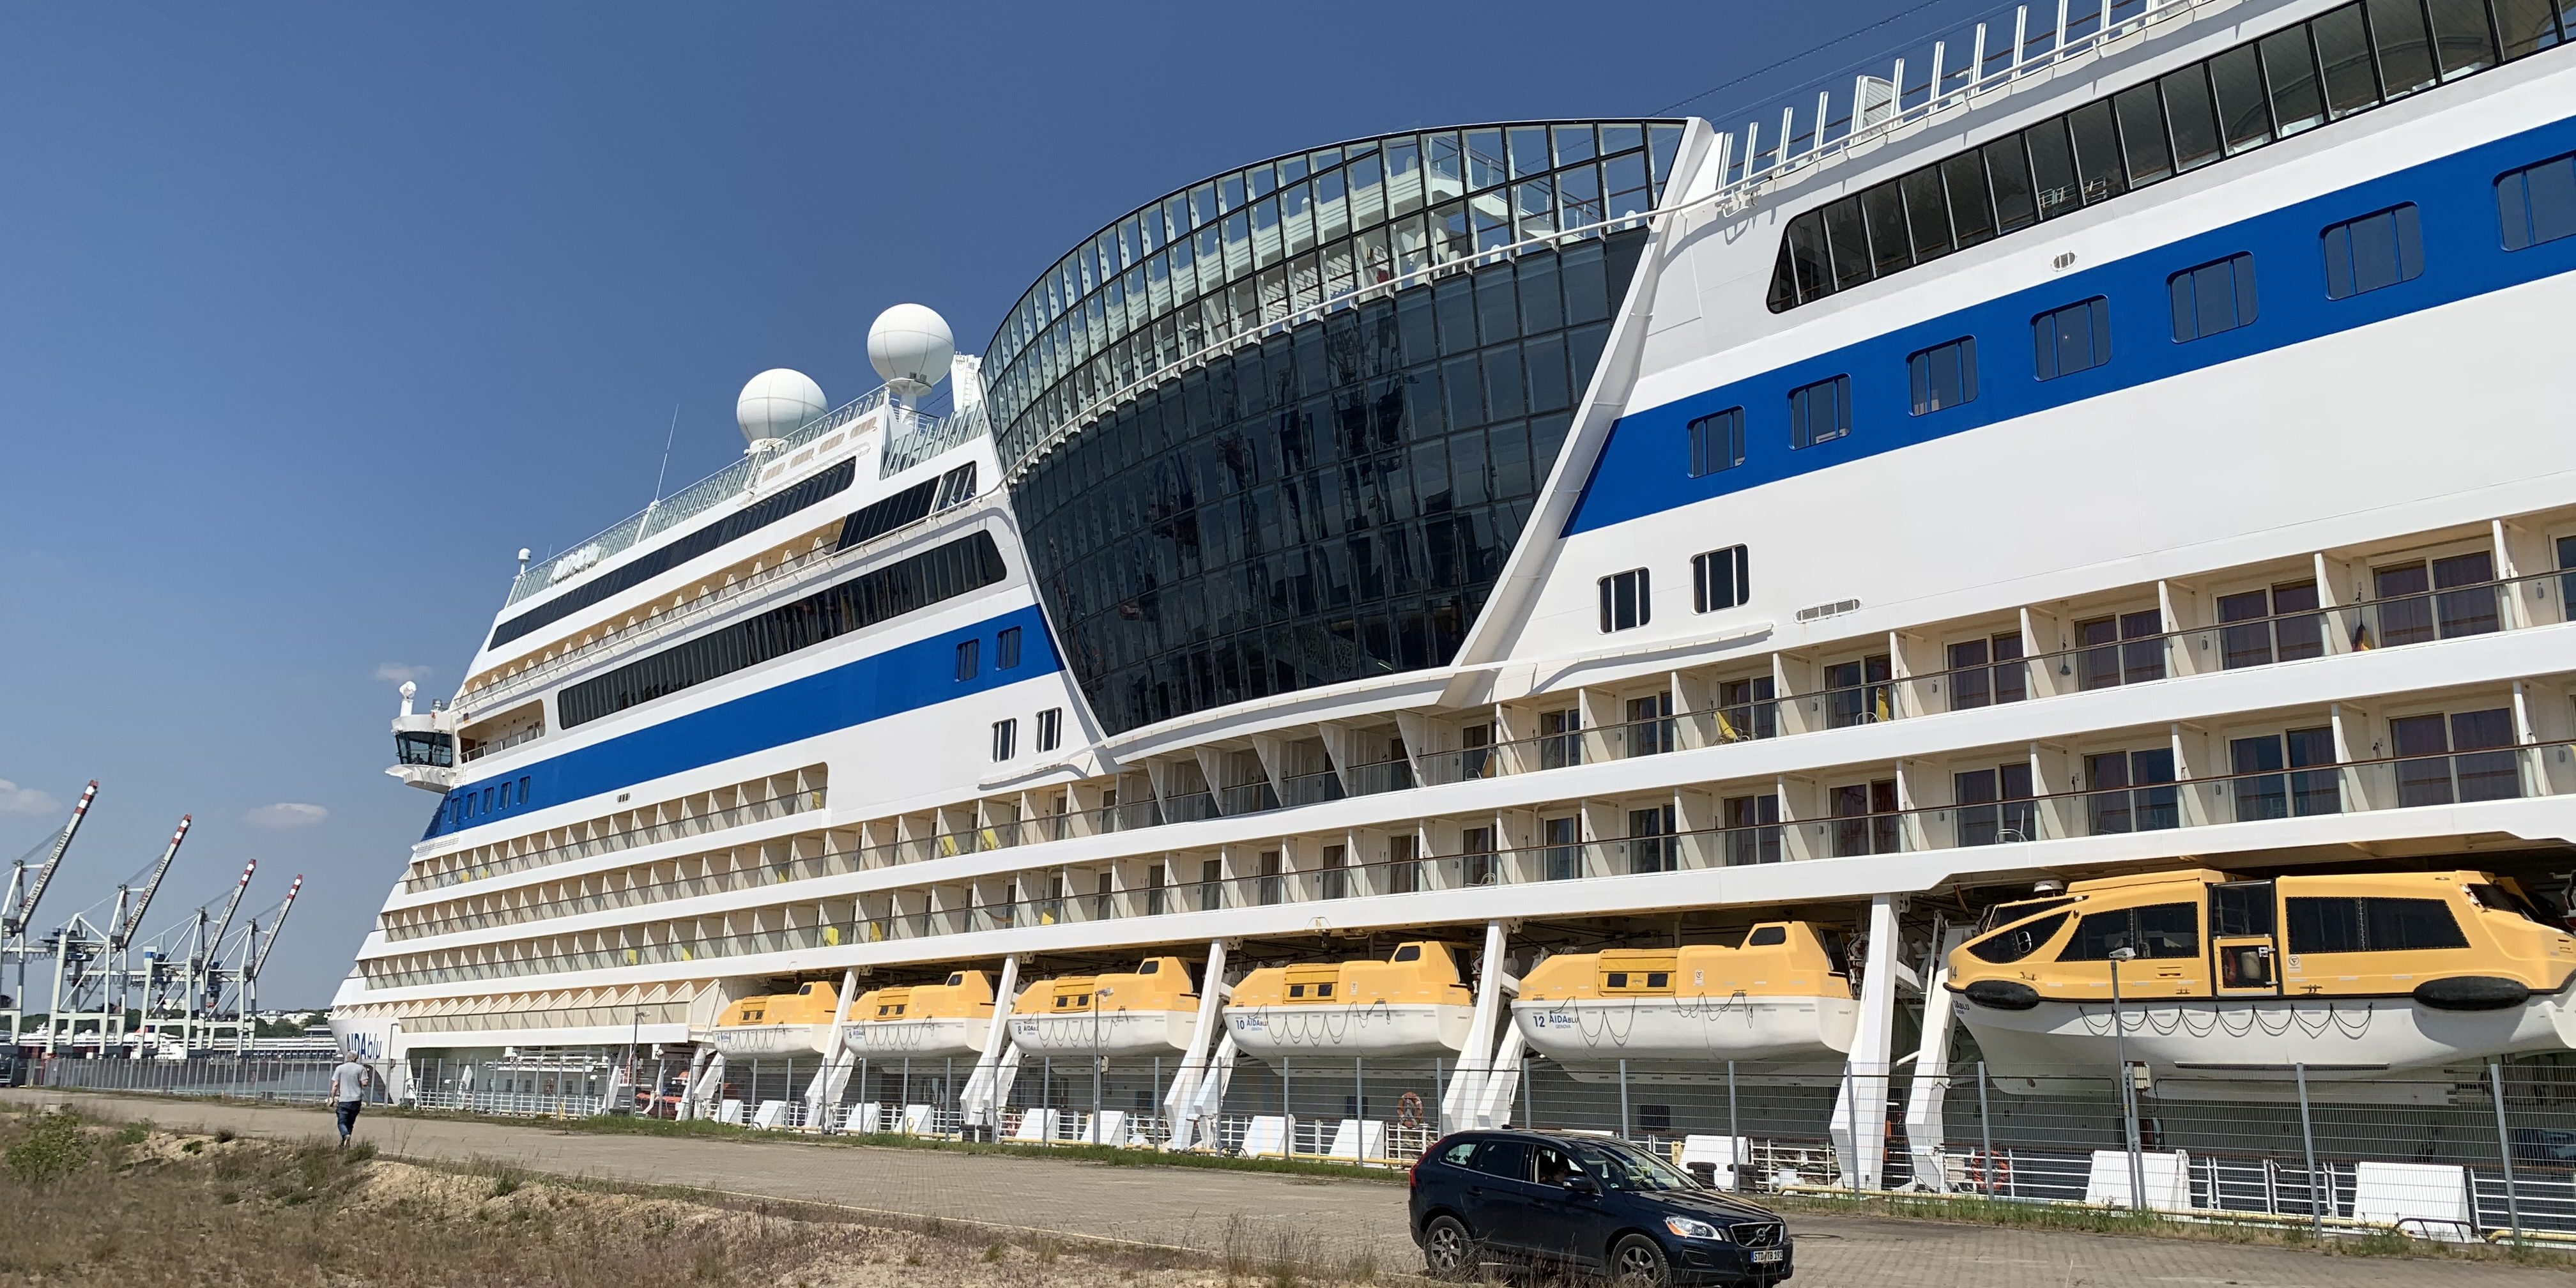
(1115, 1033)
(1371, 1030)
(772, 1039)
(922, 1039)
(1604, 1031)
(2377, 1050)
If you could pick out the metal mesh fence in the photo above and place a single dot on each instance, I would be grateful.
(253, 1077)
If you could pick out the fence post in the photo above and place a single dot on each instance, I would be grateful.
(1155, 1090)
(2308, 1138)
(947, 1092)
(1359, 1107)
(1985, 1132)
(1735, 1150)
(1439, 1099)
(1623, 1098)
(2504, 1151)
(1287, 1113)
(1851, 1170)
(1529, 1096)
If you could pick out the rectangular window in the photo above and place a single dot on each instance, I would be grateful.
(2260, 627)
(2372, 925)
(967, 652)
(2537, 203)
(2374, 251)
(1006, 737)
(1944, 375)
(2215, 297)
(1752, 829)
(1651, 847)
(1717, 442)
(2072, 339)
(1995, 805)
(1563, 858)
(2480, 765)
(2261, 794)
(1987, 671)
(1626, 601)
(1820, 412)
(1050, 728)
(1006, 649)
(1865, 820)
(2160, 930)
(1719, 579)
(2133, 791)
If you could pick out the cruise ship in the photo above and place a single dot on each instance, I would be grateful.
(1847, 593)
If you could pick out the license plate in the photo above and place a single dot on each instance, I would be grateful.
(1768, 1256)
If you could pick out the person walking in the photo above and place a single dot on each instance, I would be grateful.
(349, 1083)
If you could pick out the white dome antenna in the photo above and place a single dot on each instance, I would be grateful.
(775, 402)
(910, 346)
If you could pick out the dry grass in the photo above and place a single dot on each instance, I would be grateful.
(148, 1208)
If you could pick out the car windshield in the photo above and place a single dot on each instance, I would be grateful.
(1624, 1167)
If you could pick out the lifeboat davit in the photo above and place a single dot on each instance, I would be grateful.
(1147, 1011)
(1783, 993)
(1411, 1004)
(923, 1021)
(2375, 983)
(798, 1023)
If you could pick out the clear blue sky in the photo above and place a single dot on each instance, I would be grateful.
(311, 316)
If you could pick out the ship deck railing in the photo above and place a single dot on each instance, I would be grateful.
(2268, 795)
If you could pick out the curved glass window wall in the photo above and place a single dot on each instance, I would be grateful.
(1255, 246)
(1330, 504)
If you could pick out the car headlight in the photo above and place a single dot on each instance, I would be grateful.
(1687, 1228)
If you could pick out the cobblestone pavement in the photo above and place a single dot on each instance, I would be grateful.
(1327, 1220)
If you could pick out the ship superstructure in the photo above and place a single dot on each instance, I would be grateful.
(1679, 549)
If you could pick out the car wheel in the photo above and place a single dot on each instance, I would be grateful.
(1448, 1253)
(1638, 1262)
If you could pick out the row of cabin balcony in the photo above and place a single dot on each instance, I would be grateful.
(2463, 746)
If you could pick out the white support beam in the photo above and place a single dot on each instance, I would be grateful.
(980, 1103)
(835, 1073)
(1928, 1094)
(1177, 1100)
(1466, 1087)
(1494, 1102)
(1860, 1108)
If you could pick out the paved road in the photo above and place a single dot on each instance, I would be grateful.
(1327, 1220)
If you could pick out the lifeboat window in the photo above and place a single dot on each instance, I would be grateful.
(2244, 909)
(2005, 914)
(1618, 979)
(2499, 899)
(1323, 990)
(1658, 979)
(1149, 968)
(2372, 925)
(806, 991)
(1296, 990)
(1767, 937)
(2018, 942)
(2160, 930)
(898, 1008)
(955, 980)
(1409, 953)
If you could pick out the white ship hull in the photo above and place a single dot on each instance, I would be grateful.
(1605, 1031)
(930, 1039)
(1119, 1033)
(772, 1039)
(1423, 1030)
(2383, 1049)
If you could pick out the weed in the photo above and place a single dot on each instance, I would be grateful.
(49, 1151)
(359, 1153)
(226, 1136)
(505, 1185)
(993, 1252)
(134, 1133)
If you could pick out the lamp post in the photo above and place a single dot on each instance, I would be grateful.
(2128, 1083)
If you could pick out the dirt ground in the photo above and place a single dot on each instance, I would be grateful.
(144, 1207)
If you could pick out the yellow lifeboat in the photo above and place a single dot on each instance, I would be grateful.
(1411, 1004)
(1147, 1011)
(798, 1023)
(923, 1021)
(1782, 993)
(2364, 979)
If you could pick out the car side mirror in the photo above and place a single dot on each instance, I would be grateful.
(1582, 1183)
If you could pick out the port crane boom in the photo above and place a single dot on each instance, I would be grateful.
(123, 932)
(260, 958)
(21, 910)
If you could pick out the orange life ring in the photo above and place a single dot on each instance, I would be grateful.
(1408, 1109)
(1990, 1174)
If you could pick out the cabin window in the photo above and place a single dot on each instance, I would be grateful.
(1719, 579)
(1505, 1158)
(2212, 298)
(1006, 739)
(1820, 412)
(1323, 990)
(2241, 910)
(1618, 979)
(966, 658)
(1658, 979)
(2004, 914)
(1717, 442)
(2499, 899)
(1944, 375)
(1409, 953)
(2072, 339)
(2374, 251)
(2018, 942)
(2537, 203)
(1626, 601)
(1296, 990)
(1050, 728)
(1006, 649)
(1767, 937)
(2372, 925)
(2161, 930)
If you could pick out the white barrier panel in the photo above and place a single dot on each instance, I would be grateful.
(1037, 1126)
(916, 1120)
(1108, 1127)
(730, 1112)
(1266, 1137)
(863, 1118)
(2427, 1200)
(1358, 1140)
(2168, 1179)
(771, 1115)
(1718, 1153)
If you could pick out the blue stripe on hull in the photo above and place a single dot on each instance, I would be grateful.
(905, 678)
(1644, 467)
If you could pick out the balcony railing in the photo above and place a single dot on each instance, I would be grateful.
(694, 825)
(2355, 786)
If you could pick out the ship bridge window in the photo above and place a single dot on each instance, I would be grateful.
(2159, 930)
(2372, 925)
(435, 749)
(2537, 203)
(1767, 937)
(2018, 942)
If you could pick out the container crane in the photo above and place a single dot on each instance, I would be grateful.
(201, 963)
(256, 949)
(18, 911)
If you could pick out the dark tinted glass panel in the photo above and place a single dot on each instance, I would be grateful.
(2525, 26)
(2290, 69)
(1820, 412)
(2324, 925)
(2404, 925)
(2462, 40)
(2193, 116)
(2072, 339)
(1944, 375)
(2213, 298)
(1848, 241)
(1972, 206)
(2014, 944)
(2405, 47)
(1927, 213)
(2052, 168)
(1717, 442)
(2537, 203)
(2242, 909)
(1807, 261)
(2244, 110)
(1884, 208)
(2099, 170)
(2372, 252)
(2016, 198)
(2343, 46)
(2141, 112)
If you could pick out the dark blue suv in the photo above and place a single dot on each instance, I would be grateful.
(1591, 1203)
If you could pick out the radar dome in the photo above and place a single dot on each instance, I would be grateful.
(910, 346)
(777, 401)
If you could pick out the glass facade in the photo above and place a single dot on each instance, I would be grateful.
(1259, 245)
(1331, 504)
